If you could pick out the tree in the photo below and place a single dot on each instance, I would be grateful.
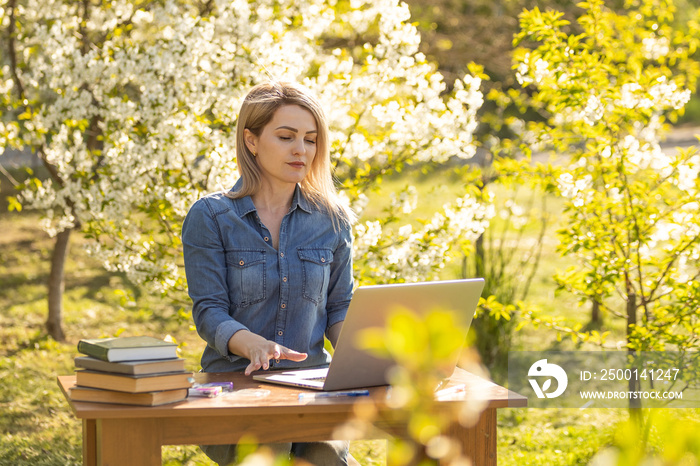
(132, 106)
(632, 219)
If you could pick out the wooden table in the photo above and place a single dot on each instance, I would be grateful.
(133, 435)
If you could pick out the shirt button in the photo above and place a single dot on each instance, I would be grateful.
(284, 306)
(266, 238)
(280, 333)
(284, 279)
(241, 263)
(281, 254)
(277, 361)
(323, 259)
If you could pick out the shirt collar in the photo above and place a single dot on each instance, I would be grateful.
(245, 205)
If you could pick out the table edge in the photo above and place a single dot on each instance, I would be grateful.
(86, 410)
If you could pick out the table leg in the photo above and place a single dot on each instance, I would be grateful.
(136, 442)
(479, 442)
(89, 442)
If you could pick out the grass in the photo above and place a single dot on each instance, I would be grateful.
(38, 428)
(553, 436)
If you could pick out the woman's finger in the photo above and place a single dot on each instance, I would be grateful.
(292, 355)
(260, 360)
(252, 367)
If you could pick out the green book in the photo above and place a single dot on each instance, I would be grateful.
(128, 348)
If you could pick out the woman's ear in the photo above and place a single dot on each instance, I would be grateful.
(251, 140)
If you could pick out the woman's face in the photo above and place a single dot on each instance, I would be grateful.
(286, 146)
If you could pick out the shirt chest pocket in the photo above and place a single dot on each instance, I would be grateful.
(316, 272)
(246, 276)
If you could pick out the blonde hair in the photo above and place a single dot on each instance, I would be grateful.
(256, 112)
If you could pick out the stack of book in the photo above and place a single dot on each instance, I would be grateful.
(138, 370)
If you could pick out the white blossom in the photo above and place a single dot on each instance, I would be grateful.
(655, 47)
(531, 71)
(593, 111)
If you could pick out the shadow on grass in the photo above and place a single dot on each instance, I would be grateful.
(31, 343)
(16, 280)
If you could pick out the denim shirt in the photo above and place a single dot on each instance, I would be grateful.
(237, 280)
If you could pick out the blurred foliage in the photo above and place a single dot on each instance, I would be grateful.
(425, 349)
(634, 446)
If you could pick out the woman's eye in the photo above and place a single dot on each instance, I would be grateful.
(285, 138)
(310, 142)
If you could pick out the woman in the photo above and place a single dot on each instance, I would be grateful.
(269, 263)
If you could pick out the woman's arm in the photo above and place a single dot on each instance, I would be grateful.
(205, 267)
(334, 332)
(340, 286)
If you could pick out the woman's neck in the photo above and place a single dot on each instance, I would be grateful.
(274, 199)
(272, 206)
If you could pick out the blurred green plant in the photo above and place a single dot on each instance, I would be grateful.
(425, 349)
(632, 446)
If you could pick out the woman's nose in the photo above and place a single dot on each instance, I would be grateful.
(299, 147)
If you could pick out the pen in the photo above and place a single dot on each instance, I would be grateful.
(225, 386)
(450, 390)
(311, 396)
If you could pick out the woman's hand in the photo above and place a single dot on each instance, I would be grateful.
(260, 351)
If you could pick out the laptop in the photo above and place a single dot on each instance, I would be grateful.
(353, 367)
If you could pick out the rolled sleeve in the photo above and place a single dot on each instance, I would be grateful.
(224, 332)
(205, 268)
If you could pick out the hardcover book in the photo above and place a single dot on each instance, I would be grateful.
(149, 366)
(134, 383)
(128, 348)
(156, 398)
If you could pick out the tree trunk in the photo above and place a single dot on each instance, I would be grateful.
(596, 318)
(633, 384)
(56, 286)
(480, 255)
